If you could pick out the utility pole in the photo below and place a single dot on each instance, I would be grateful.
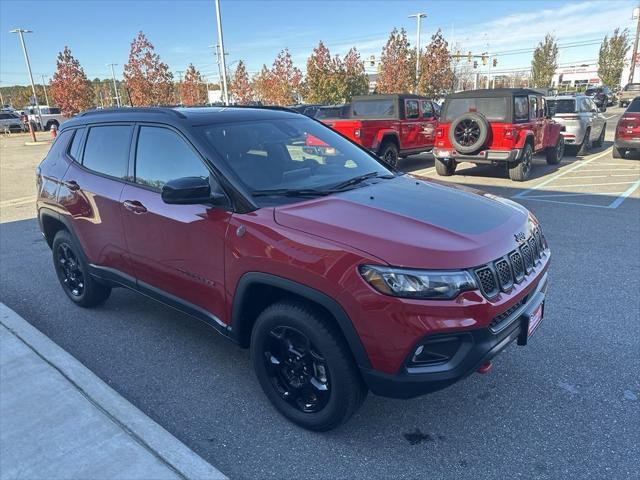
(115, 85)
(418, 17)
(634, 53)
(44, 86)
(225, 93)
(21, 32)
(180, 72)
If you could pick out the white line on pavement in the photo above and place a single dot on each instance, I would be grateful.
(17, 201)
(567, 203)
(561, 174)
(609, 169)
(583, 194)
(593, 184)
(616, 203)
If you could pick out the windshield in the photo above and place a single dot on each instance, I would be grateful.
(295, 153)
(561, 106)
(494, 109)
(633, 87)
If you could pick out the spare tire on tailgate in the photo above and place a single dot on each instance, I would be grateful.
(469, 132)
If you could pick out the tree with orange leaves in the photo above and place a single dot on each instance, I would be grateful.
(148, 79)
(70, 88)
(193, 88)
(240, 87)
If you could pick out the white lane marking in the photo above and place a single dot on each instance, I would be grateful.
(566, 203)
(561, 174)
(610, 169)
(584, 194)
(604, 176)
(18, 201)
(616, 203)
(609, 117)
(592, 184)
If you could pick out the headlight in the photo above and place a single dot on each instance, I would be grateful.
(409, 283)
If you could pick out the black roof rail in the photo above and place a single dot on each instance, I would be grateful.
(262, 107)
(103, 111)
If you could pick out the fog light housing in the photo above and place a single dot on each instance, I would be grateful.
(435, 351)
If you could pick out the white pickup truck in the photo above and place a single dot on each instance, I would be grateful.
(50, 116)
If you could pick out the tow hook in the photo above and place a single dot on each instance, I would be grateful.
(485, 367)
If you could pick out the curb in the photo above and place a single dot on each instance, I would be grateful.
(134, 422)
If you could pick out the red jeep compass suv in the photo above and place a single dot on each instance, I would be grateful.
(340, 275)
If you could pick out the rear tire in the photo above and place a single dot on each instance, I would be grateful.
(554, 154)
(73, 272)
(618, 153)
(585, 146)
(389, 153)
(520, 171)
(310, 377)
(598, 143)
(445, 168)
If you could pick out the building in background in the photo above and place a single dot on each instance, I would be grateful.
(576, 77)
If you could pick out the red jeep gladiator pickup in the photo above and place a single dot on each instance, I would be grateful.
(327, 267)
(392, 126)
(503, 126)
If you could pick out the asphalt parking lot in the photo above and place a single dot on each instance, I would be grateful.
(565, 406)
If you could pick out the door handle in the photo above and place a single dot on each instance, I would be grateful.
(71, 185)
(134, 206)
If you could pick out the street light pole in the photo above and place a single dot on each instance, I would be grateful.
(115, 85)
(418, 17)
(44, 85)
(180, 72)
(225, 93)
(21, 32)
(634, 53)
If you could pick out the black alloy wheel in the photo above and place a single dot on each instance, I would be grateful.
(467, 132)
(70, 270)
(297, 370)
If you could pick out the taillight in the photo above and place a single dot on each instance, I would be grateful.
(439, 132)
(358, 132)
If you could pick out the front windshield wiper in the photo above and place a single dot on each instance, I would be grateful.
(360, 179)
(290, 192)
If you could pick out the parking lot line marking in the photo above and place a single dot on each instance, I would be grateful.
(611, 116)
(552, 195)
(17, 201)
(609, 169)
(566, 203)
(616, 203)
(604, 176)
(561, 174)
(593, 184)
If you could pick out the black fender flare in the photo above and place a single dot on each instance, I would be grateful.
(239, 320)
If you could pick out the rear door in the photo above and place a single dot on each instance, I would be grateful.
(177, 249)
(428, 126)
(536, 118)
(410, 126)
(90, 192)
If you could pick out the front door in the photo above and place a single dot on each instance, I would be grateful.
(411, 126)
(428, 126)
(175, 249)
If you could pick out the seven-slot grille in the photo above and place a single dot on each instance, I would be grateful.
(502, 273)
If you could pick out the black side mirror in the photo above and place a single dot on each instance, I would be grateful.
(190, 191)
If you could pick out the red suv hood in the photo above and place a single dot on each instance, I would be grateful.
(411, 222)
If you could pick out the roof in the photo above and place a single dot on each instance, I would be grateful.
(392, 96)
(494, 92)
(186, 116)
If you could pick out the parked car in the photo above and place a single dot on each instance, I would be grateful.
(627, 136)
(339, 274)
(628, 93)
(50, 116)
(306, 109)
(601, 96)
(392, 126)
(10, 122)
(504, 126)
(333, 112)
(584, 124)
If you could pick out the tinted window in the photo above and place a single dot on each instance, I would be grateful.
(632, 87)
(107, 150)
(561, 106)
(374, 108)
(4, 116)
(411, 109)
(427, 110)
(74, 148)
(520, 109)
(533, 107)
(60, 143)
(338, 111)
(634, 106)
(162, 155)
(495, 109)
(54, 111)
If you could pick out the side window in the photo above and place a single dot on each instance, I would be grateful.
(411, 109)
(521, 109)
(427, 109)
(60, 143)
(162, 155)
(107, 149)
(533, 107)
(74, 148)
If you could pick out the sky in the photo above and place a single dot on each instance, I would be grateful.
(100, 32)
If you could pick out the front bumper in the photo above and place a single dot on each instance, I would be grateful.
(475, 347)
(484, 156)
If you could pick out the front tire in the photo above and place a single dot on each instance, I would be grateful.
(445, 168)
(618, 152)
(305, 367)
(520, 171)
(73, 273)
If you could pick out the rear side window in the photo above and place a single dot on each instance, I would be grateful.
(411, 107)
(634, 106)
(74, 148)
(381, 108)
(427, 110)
(106, 150)
(162, 155)
(521, 109)
(60, 143)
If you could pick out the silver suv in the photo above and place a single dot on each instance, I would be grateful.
(10, 122)
(584, 123)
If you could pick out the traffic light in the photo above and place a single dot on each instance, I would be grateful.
(484, 58)
(475, 64)
(495, 62)
(469, 56)
(457, 55)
